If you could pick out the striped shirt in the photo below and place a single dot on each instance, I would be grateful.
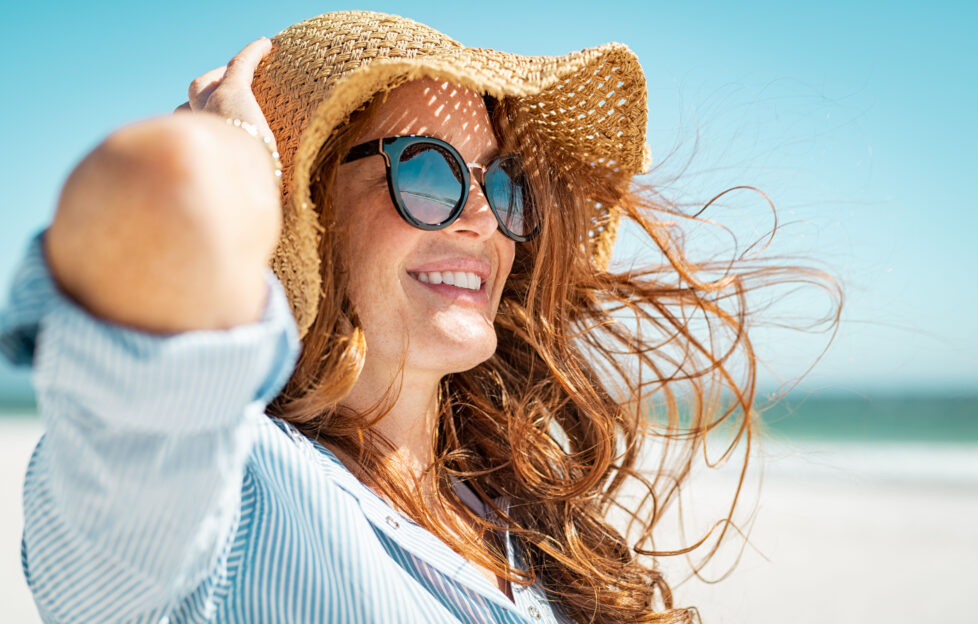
(161, 491)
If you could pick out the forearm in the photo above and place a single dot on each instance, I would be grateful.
(167, 226)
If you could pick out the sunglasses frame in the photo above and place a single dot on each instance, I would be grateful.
(391, 148)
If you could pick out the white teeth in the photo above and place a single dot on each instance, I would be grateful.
(459, 279)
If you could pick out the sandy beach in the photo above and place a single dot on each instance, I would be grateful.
(17, 439)
(845, 537)
(840, 536)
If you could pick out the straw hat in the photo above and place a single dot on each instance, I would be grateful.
(590, 104)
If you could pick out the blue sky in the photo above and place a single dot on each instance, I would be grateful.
(856, 118)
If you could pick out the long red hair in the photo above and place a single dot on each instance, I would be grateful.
(591, 365)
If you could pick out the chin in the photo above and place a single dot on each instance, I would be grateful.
(456, 356)
(464, 365)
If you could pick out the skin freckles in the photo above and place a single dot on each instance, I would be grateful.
(395, 309)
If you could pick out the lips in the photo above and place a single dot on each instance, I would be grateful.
(465, 272)
(459, 279)
(462, 279)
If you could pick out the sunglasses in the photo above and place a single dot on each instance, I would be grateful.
(429, 184)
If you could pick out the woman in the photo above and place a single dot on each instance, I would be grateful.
(471, 392)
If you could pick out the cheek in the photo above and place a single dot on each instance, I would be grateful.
(506, 256)
(506, 252)
(377, 245)
(361, 220)
(371, 225)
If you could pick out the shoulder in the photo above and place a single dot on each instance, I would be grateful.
(289, 465)
(298, 501)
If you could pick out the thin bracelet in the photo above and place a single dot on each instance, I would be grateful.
(251, 129)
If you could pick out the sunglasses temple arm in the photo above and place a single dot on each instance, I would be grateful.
(370, 148)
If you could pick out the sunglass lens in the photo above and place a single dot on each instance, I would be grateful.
(509, 196)
(430, 182)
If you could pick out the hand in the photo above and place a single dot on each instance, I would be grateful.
(226, 91)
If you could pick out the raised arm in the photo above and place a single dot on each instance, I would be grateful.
(158, 335)
(168, 225)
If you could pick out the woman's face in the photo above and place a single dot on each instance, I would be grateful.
(444, 328)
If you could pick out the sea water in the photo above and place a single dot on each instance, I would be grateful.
(922, 440)
(880, 419)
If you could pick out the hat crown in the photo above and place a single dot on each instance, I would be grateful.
(330, 45)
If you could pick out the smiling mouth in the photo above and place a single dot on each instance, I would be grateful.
(459, 279)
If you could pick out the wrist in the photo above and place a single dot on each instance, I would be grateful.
(265, 139)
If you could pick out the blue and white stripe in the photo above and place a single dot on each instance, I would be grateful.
(162, 492)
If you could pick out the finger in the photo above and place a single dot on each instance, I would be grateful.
(204, 97)
(185, 107)
(241, 69)
(202, 86)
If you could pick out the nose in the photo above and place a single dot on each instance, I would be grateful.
(477, 218)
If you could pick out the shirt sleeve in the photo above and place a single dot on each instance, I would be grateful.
(132, 494)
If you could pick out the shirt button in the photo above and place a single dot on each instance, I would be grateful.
(394, 524)
(165, 619)
(534, 611)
